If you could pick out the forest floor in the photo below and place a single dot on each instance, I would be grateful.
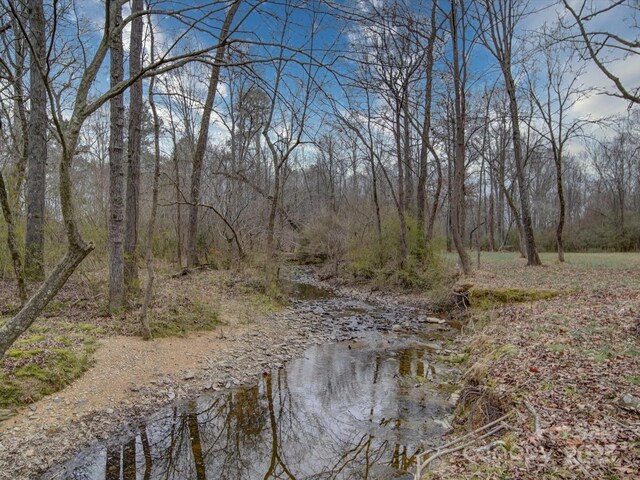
(559, 365)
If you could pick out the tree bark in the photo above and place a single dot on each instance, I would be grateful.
(36, 144)
(457, 187)
(561, 214)
(401, 192)
(12, 242)
(532, 253)
(201, 145)
(133, 151)
(116, 175)
(426, 146)
(144, 320)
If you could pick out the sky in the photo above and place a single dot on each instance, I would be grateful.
(262, 27)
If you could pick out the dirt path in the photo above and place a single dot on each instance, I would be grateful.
(124, 367)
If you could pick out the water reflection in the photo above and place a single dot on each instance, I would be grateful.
(339, 413)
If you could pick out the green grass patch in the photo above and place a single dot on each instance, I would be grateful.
(633, 379)
(52, 357)
(179, 320)
(602, 354)
(32, 381)
(22, 354)
(558, 347)
(485, 298)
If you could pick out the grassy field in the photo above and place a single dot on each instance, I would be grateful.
(581, 271)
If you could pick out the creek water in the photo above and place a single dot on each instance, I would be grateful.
(356, 409)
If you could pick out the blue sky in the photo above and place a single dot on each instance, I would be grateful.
(265, 23)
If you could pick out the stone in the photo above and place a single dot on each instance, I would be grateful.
(435, 320)
(5, 414)
(396, 327)
(629, 402)
(189, 376)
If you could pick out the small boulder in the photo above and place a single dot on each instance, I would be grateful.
(629, 402)
(438, 321)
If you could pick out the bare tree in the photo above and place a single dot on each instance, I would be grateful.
(201, 145)
(146, 330)
(132, 203)
(116, 172)
(559, 92)
(68, 127)
(501, 18)
(459, 65)
(598, 43)
(37, 143)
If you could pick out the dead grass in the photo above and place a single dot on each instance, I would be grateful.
(569, 357)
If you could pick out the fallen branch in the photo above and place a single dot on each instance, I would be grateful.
(536, 419)
(440, 453)
(442, 448)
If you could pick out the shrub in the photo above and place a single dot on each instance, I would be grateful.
(378, 259)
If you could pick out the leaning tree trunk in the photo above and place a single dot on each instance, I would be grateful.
(133, 151)
(529, 240)
(116, 177)
(201, 145)
(12, 242)
(36, 144)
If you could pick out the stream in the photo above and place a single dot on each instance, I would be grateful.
(360, 407)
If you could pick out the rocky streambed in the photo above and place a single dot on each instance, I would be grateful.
(338, 385)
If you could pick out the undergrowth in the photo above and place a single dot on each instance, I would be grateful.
(376, 259)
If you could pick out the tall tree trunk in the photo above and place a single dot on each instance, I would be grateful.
(425, 144)
(502, 16)
(401, 192)
(527, 227)
(176, 169)
(562, 205)
(146, 330)
(36, 144)
(457, 187)
(376, 202)
(201, 145)
(408, 163)
(270, 261)
(17, 176)
(133, 150)
(116, 175)
(492, 226)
